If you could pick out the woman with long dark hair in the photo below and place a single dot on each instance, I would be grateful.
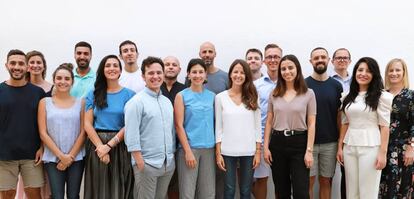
(238, 130)
(364, 133)
(397, 176)
(194, 123)
(60, 120)
(290, 131)
(108, 169)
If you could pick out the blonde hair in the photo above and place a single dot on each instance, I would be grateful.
(406, 82)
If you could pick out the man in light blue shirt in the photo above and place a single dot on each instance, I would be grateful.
(341, 60)
(265, 86)
(84, 75)
(150, 134)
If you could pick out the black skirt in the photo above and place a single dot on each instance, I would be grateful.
(114, 180)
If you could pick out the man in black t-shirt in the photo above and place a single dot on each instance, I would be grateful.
(328, 93)
(20, 146)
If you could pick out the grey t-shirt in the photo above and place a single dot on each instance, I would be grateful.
(292, 115)
(217, 82)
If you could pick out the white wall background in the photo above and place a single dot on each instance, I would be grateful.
(380, 29)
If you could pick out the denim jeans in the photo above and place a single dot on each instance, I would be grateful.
(72, 177)
(245, 176)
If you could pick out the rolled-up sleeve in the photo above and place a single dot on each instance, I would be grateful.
(219, 118)
(133, 115)
(384, 109)
(258, 125)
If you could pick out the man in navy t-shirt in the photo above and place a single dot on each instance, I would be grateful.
(20, 146)
(328, 93)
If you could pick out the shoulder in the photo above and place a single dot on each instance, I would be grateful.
(222, 94)
(209, 92)
(386, 98)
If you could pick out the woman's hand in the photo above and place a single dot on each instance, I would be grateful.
(220, 162)
(308, 159)
(340, 156)
(190, 160)
(268, 156)
(102, 150)
(66, 160)
(105, 159)
(256, 159)
(381, 160)
(408, 156)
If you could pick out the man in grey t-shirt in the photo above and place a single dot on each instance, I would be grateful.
(217, 80)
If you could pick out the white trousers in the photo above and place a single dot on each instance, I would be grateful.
(362, 179)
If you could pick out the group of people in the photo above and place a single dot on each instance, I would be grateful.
(136, 132)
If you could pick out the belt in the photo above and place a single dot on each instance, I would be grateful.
(288, 133)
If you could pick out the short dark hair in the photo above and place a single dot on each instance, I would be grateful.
(193, 62)
(334, 54)
(15, 52)
(83, 44)
(151, 60)
(268, 46)
(254, 50)
(318, 48)
(125, 43)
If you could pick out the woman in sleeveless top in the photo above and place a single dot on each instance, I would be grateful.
(61, 130)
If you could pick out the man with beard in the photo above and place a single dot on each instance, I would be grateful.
(20, 146)
(84, 76)
(254, 58)
(171, 86)
(328, 93)
(130, 77)
(217, 80)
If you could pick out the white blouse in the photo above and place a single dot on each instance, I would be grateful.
(363, 129)
(237, 128)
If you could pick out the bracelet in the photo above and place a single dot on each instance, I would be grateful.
(108, 145)
(116, 139)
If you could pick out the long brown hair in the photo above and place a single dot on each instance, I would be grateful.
(299, 83)
(249, 93)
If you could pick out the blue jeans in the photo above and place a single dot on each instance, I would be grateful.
(245, 176)
(72, 176)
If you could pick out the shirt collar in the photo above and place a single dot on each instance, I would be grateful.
(152, 93)
(88, 75)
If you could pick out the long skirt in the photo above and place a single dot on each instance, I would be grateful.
(114, 180)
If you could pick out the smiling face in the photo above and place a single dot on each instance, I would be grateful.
(129, 54)
(83, 57)
(395, 73)
(197, 75)
(207, 53)
(319, 60)
(153, 77)
(341, 59)
(272, 59)
(254, 60)
(112, 69)
(63, 80)
(288, 71)
(16, 65)
(363, 76)
(171, 67)
(35, 65)
(237, 75)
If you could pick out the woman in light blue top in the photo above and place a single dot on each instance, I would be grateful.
(194, 123)
(108, 169)
(61, 130)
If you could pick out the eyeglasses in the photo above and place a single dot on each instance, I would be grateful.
(270, 58)
(341, 58)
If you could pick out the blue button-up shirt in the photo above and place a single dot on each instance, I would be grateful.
(346, 83)
(149, 127)
(264, 86)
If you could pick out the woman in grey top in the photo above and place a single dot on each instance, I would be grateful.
(61, 130)
(291, 126)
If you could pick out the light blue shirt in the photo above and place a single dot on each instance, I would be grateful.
(149, 128)
(110, 118)
(199, 118)
(264, 86)
(346, 83)
(82, 85)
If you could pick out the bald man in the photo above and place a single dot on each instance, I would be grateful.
(171, 86)
(217, 80)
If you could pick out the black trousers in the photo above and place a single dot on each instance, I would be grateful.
(288, 168)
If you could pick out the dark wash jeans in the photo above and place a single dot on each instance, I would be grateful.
(288, 168)
(72, 177)
(245, 176)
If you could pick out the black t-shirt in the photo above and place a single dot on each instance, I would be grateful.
(19, 134)
(176, 88)
(328, 101)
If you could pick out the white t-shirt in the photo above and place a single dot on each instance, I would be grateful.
(132, 81)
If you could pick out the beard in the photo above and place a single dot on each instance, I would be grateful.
(320, 70)
(16, 77)
(82, 66)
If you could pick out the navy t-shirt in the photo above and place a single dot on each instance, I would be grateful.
(19, 134)
(328, 101)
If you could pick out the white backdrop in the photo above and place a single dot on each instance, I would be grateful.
(380, 29)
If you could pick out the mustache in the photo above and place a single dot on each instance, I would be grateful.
(321, 62)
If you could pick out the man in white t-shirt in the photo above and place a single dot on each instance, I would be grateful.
(130, 77)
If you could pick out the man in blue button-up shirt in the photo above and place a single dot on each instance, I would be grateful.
(150, 134)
